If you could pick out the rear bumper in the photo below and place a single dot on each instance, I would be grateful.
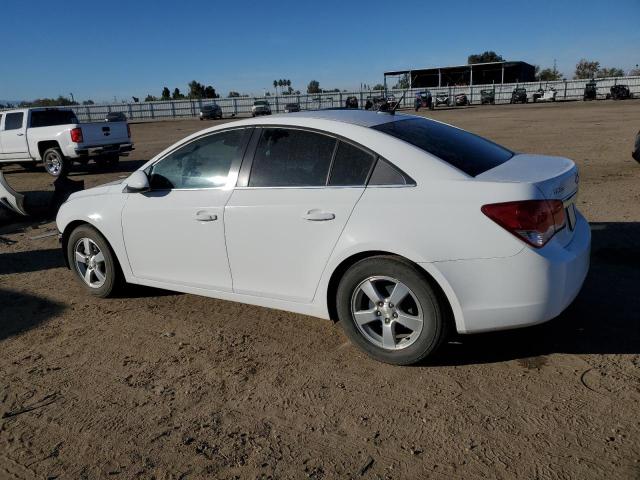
(528, 288)
(91, 151)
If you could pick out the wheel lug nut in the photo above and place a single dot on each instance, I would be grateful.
(387, 320)
(380, 304)
(390, 305)
(395, 315)
(378, 313)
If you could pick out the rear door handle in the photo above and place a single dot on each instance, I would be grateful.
(317, 215)
(205, 216)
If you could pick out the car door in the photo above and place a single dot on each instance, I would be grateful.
(289, 209)
(12, 136)
(174, 233)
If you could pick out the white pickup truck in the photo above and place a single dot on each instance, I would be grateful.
(56, 138)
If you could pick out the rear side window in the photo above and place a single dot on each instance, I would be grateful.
(386, 174)
(466, 151)
(13, 121)
(351, 166)
(47, 118)
(291, 158)
(203, 163)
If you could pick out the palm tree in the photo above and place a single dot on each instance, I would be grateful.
(275, 85)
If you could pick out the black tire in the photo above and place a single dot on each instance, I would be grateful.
(112, 159)
(434, 326)
(113, 275)
(83, 161)
(55, 163)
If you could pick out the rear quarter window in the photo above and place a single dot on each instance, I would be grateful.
(48, 118)
(465, 151)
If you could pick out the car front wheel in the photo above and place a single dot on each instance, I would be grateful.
(387, 307)
(93, 262)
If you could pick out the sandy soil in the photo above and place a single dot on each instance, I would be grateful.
(163, 385)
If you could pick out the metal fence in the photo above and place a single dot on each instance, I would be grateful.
(241, 106)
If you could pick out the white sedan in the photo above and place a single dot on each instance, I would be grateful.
(400, 227)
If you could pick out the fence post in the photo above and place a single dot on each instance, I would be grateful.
(151, 109)
(130, 110)
(235, 107)
(173, 109)
(565, 88)
(277, 106)
(89, 113)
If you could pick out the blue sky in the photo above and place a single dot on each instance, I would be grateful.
(99, 50)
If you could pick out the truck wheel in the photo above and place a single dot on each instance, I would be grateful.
(54, 162)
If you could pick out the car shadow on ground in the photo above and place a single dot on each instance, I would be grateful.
(22, 312)
(603, 319)
(91, 168)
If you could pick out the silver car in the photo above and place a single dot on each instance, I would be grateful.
(260, 107)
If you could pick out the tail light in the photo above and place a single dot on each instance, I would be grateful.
(534, 221)
(76, 135)
(128, 131)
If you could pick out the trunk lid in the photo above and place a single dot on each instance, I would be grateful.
(104, 133)
(555, 177)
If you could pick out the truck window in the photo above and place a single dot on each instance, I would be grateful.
(13, 121)
(48, 118)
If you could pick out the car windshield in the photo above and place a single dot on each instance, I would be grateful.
(260, 102)
(464, 150)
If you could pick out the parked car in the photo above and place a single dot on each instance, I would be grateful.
(115, 117)
(519, 95)
(423, 99)
(544, 95)
(462, 100)
(260, 107)
(636, 151)
(55, 137)
(211, 112)
(488, 96)
(441, 99)
(351, 102)
(620, 92)
(590, 91)
(291, 107)
(186, 221)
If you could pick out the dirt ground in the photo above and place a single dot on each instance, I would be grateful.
(170, 386)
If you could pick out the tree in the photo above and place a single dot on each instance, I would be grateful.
(177, 95)
(150, 98)
(548, 74)
(88, 102)
(313, 87)
(378, 86)
(403, 82)
(233, 94)
(196, 89)
(275, 85)
(166, 94)
(210, 92)
(586, 69)
(484, 57)
(135, 99)
(610, 72)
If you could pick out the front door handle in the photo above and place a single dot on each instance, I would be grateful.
(204, 216)
(317, 215)
(20, 134)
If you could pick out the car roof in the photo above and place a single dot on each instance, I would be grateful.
(363, 118)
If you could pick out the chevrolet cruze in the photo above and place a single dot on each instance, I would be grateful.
(401, 228)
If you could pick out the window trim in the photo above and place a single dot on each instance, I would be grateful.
(234, 168)
(249, 156)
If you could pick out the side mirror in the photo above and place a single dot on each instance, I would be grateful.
(137, 182)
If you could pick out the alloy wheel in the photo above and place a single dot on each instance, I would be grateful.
(387, 313)
(90, 263)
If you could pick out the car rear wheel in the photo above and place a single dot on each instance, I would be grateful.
(93, 262)
(387, 307)
(54, 162)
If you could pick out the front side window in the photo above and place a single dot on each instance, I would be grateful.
(291, 158)
(351, 166)
(13, 121)
(464, 150)
(203, 163)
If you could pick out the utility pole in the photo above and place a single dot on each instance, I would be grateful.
(72, 99)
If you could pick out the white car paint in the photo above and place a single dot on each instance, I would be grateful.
(28, 142)
(261, 250)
